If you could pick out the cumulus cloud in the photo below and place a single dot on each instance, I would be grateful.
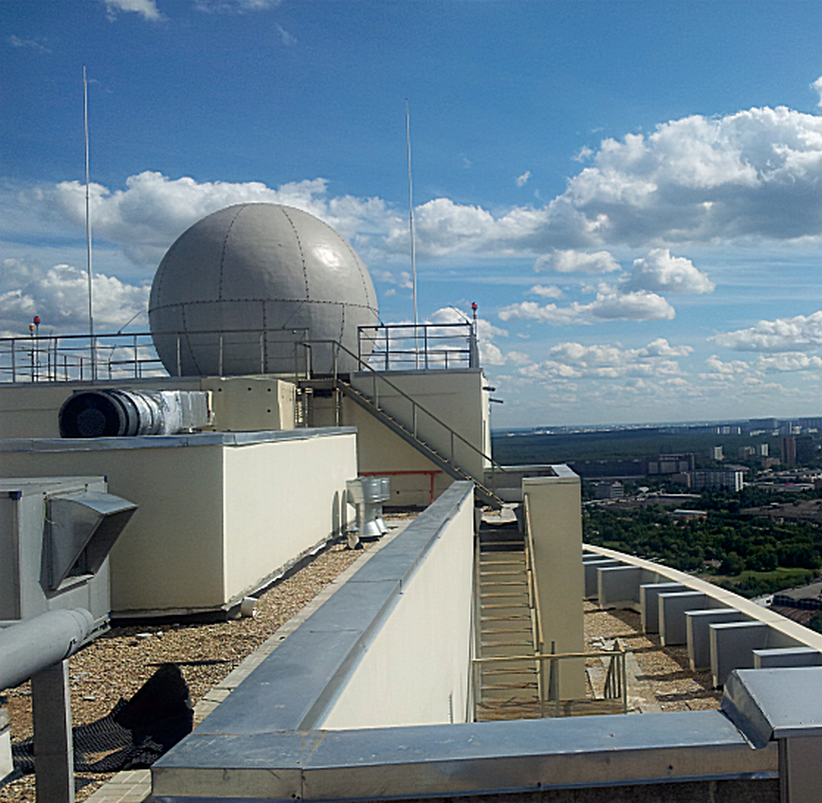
(551, 291)
(576, 361)
(490, 353)
(610, 304)
(147, 9)
(721, 371)
(570, 261)
(661, 272)
(523, 179)
(817, 85)
(59, 295)
(153, 210)
(802, 333)
(788, 362)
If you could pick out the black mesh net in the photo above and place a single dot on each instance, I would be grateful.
(135, 733)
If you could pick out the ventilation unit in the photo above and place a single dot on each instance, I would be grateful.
(55, 536)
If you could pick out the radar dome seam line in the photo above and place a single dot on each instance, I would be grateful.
(302, 252)
(225, 246)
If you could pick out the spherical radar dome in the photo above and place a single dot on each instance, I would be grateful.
(244, 289)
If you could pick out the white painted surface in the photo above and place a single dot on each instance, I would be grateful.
(415, 671)
(555, 514)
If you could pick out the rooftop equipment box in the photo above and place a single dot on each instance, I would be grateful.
(55, 536)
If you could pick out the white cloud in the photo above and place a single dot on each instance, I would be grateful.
(609, 305)
(788, 362)
(817, 85)
(523, 179)
(576, 361)
(145, 8)
(551, 291)
(733, 371)
(59, 295)
(234, 6)
(31, 44)
(570, 261)
(582, 154)
(660, 271)
(285, 37)
(802, 333)
(153, 210)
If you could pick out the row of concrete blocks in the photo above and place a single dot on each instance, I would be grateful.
(718, 637)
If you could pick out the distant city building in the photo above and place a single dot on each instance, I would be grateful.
(805, 449)
(609, 490)
(683, 513)
(716, 453)
(762, 424)
(789, 450)
(732, 480)
(729, 429)
(762, 450)
(671, 464)
(810, 424)
(745, 452)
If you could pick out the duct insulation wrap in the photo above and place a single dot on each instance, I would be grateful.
(35, 644)
(112, 413)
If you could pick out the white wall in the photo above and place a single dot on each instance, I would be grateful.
(555, 514)
(210, 522)
(416, 669)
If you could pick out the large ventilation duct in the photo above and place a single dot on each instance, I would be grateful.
(112, 413)
(29, 647)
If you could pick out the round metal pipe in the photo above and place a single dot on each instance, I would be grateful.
(35, 644)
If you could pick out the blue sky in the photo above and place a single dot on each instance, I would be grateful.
(631, 191)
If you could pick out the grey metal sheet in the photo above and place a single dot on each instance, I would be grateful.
(478, 757)
(775, 703)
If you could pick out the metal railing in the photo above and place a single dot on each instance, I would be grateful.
(116, 356)
(615, 680)
(424, 346)
(417, 413)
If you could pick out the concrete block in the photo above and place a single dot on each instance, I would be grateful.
(673, 628)
(786, 656)
(591, 565)
(699, 637)
(618, 586)
(732, 646)
(649, 603)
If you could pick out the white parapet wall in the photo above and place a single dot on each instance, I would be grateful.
(553, 511)
(722, 630)
(218, 514)
(416, 668)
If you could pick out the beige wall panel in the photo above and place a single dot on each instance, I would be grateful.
(280, 499)
(555, 515)
(170, 556)
(416, 669)
(250, 403)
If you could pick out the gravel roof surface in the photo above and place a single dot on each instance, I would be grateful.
(116, 664)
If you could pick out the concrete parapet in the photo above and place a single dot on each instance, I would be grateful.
(673, 627)
(786, 657)
(649, 603)
(591, 566)
(699, 636)
(732, 646)
(618, 586)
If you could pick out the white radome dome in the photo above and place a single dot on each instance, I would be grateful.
(260, 278)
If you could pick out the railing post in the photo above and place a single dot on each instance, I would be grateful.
(136, 363)
(262, 352)
(220, 356)
(179, 364)
(13, 361)
(425, 343)
(386, 349)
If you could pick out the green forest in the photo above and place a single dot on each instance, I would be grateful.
(752, 556)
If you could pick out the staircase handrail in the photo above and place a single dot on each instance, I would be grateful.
(415, 405)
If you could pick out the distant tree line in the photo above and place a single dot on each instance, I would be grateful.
(751, 552)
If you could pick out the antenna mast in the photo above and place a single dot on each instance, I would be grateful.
(411, 227)
(88, 235)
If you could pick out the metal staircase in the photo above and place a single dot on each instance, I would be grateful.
(505, 689)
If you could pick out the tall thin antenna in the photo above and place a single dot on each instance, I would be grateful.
(88, 236)
(411, 227)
